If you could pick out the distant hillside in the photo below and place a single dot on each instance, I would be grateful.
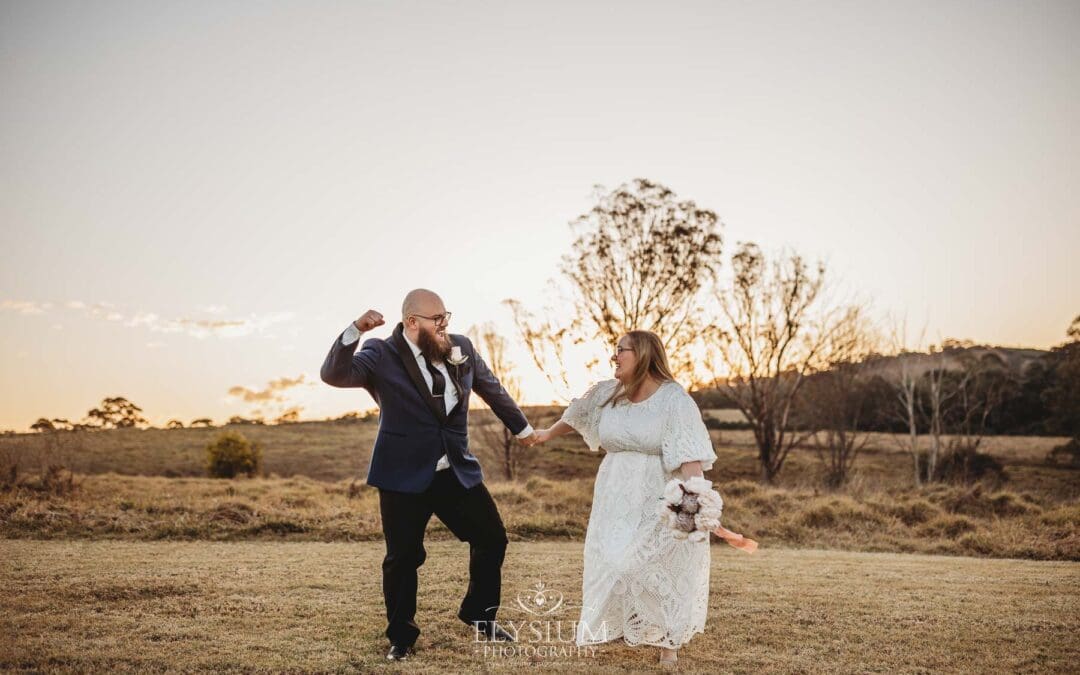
(1015, 359)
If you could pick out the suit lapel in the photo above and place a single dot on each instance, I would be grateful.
(438, 408)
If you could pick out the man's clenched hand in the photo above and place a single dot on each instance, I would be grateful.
(368, 320)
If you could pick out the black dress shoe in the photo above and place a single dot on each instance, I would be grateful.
(497, 634)
(397, 653)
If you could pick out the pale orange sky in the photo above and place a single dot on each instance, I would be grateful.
(196, 198)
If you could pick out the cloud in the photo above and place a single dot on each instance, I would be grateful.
(25, 306)
(202, 328)
(272, 392)
(195, 326)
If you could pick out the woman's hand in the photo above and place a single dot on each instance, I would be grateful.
(560, 428)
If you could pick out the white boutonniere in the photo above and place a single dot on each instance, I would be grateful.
(456, 357)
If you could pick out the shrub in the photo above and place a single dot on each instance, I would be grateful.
(231, 454)
(966, 466)
(1066, 454)
(948, 526)
(914, 512)
(977, 503)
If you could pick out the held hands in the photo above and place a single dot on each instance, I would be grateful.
(368, 320)
(536, 438)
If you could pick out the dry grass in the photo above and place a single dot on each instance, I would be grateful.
(334, 451)
(265, 607)
(314, 493)
(937, 519)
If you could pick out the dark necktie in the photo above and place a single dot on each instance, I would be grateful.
(438, 382)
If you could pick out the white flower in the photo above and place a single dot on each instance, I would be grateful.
(710, 499)
(456, 357)
(705, 523)
(698, 484)
(673, 492)
(690, 508)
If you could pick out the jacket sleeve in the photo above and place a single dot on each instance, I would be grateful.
(488, 387)
(345, 367)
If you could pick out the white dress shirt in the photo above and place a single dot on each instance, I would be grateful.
(450, 397)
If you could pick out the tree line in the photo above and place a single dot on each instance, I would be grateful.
(768, 335)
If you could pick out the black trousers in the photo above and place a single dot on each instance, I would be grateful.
(472, 516)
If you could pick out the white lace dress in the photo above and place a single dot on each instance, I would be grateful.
(639, 582)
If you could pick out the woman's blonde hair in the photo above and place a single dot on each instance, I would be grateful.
(651, 362)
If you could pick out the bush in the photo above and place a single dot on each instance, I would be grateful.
(964, 466)
(1067, 454)
(914, 512)
(948, 526)
(231, 454)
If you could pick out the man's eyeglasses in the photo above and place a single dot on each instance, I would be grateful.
(439, 319)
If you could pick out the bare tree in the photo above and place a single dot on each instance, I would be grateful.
(835, 402)
(495, 436)
(642, 260)
(938, 396)
(776, 326)
(978, 386)
(903, 377)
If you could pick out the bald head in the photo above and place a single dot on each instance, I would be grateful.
(421, 301)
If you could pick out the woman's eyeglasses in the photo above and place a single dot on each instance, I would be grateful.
(620, 350)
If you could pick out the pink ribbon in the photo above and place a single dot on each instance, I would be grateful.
(735, 539)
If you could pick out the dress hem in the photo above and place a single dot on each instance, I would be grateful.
(642, 643)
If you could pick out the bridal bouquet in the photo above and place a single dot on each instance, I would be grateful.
(692, 509)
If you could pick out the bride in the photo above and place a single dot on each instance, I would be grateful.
(640, 583)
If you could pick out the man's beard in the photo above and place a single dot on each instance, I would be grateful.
(430, 347)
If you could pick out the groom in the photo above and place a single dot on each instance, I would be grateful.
(421, 377)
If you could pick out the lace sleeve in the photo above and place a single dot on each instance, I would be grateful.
(584, 413)
(685, 437)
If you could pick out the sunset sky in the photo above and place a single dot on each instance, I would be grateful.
(197, 197)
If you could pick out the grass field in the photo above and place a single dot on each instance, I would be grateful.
(147, 485)
(137, 562)
(333, 451)
(264, 606)
(935, 519)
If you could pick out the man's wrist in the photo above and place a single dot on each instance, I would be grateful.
(526, 432)
(351, 334)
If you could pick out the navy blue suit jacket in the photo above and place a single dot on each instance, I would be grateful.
(414, 428)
